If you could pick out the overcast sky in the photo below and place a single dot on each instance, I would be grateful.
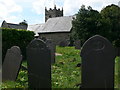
(15, 11)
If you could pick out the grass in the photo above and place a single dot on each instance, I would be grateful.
(64, 72)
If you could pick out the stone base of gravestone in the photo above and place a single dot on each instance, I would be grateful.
(52, 48)
(39, 65)
(77, 44)
(98, 57)
(11, 64)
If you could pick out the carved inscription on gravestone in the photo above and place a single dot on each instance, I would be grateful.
(98, 57)
(11, 64)
(39, 65)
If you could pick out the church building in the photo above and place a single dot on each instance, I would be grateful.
(57, 27)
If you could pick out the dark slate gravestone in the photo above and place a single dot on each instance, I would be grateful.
(77, 44)
(98, 57)
(11, 64)
(52, 48)
(39, 65)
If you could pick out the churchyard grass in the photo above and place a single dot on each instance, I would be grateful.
(65, 73)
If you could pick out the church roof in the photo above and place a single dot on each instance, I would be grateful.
(57, 24)
(15, 26)
(36, 28)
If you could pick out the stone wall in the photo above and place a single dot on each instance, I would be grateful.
(56, 37)
(53, 13)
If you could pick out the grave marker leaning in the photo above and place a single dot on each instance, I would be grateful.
(11, 64)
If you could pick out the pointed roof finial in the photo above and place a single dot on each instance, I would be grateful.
(62, 8)
(45, 8)
(54, 5)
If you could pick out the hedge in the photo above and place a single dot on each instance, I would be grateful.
(15, 37)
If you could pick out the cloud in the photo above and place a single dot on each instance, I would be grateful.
(39, 5)
(7, 7)
(72, 6)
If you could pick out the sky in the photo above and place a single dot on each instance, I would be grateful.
(33, 11)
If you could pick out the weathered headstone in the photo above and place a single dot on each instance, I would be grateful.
(52, 48)
(98, 57)
(11, 64)
(39, 65)
(77, 44)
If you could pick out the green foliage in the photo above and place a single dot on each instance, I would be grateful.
(117, 72)
(21, 82)
(112, 13)
(86, 23)
(65, 74)
(13, 37)
(90, 22)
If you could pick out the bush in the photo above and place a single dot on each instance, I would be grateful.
(14, 37)
(90, 22)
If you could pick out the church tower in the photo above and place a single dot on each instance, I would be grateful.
(53, 13)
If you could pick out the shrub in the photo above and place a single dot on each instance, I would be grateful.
(14, 37)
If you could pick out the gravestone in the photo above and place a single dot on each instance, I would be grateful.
(98, 57)
(11, 64)
(52, 48)
(77, 44)
(39, 65)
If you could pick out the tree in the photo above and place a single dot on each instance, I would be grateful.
(86, 23)
(90, 22)
(24, 22)
(112, 13)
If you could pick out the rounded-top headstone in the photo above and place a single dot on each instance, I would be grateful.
(11, 64)
(37, 43)
(97, 43)
(98, 57)
(39, 64)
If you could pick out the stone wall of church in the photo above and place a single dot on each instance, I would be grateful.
(57, 38)
(53, 13)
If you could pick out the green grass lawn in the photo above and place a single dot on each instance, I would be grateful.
(65, 74)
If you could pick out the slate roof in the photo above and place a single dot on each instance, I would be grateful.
(15, 26)
(119, 3)
(36, 28)
(57, 24)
